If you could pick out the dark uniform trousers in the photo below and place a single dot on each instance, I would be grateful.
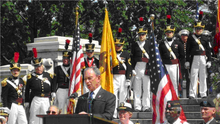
(12, 98)
(185, 72)
(37, 93)
(172, 64)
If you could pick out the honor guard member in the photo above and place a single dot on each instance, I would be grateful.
(139, 57)
(12, 92)
(198, 51)
(90, 60)
(125, 113)
(38, 90)
(172, 113)
(184, 34)
(61, 81)
(208, 110)
(122, 72)
(172, 52)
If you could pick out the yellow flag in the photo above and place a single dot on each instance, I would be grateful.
(108, 57)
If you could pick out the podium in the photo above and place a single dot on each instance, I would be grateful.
(74, 118)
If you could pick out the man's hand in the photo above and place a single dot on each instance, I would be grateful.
(53, 95)
(134, 73)
(127, 83)
(187, 65)
(208, 64)
(26, 105)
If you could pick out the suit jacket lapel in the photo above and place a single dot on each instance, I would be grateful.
(99, 94)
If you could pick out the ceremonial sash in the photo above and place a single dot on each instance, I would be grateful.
(65, 72)
(170, 50)
(121, 61)
(142, 49)
(90, 64)
(199, 43)
(45, 80)
(13, 85)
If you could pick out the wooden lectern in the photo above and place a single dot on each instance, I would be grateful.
(74, 118)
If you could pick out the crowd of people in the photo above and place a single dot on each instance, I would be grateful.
(189, 54)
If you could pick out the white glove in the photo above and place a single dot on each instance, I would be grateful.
(53, 95)
(208, 64)
(26, 104)
(187, 65)
(127, 83)
(134, 73)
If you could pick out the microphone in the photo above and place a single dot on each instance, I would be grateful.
(74, 95)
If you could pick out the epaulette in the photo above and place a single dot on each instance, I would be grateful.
(51, 76)
(129, 61)
(4, 82)
(55, 74)
(29, 76)
(25, 82)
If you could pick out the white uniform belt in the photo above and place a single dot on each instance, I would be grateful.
(142, 49)
(198, 41)
(64, 70)
(170, 50)
(121, 61)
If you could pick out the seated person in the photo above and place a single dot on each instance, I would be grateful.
(208, 110)
(125, 113)
(4, 113)
(172, 113)
(53, 110)
(2, 120)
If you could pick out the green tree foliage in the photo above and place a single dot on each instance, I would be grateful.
(22, 21)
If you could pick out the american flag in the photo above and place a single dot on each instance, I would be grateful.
(75, 71)
(161, 85)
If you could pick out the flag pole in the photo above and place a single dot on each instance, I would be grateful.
(71, 105)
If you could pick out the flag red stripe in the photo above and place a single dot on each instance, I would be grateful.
(164, 92)
(154, 109)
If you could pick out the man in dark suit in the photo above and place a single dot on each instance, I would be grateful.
(208, 110)
(97, 101)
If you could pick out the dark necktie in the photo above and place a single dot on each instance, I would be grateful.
(90, 102)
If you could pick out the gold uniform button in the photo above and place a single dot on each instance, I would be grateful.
(42, 95)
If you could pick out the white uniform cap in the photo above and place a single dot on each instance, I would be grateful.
(4, 111)
(206, 32)
(184, 32)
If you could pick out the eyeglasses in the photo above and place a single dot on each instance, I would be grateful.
(169, 31)
(198, 28)
(141, 34)
(53, 112)
(118, 45)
